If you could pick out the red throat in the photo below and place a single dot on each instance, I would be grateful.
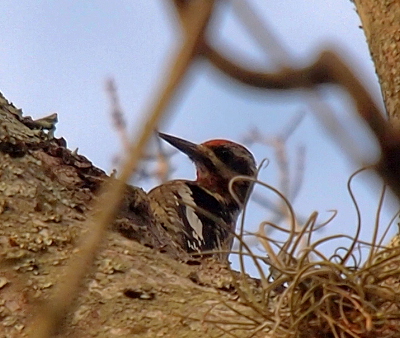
(211, 182)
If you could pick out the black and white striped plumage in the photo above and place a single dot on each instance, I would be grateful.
(200, 216)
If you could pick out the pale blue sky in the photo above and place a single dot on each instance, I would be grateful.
(56, 55)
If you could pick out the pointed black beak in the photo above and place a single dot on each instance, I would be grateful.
(190, 149)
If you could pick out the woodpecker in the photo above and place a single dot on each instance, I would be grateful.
(200, 216)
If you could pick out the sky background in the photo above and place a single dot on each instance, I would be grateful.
(56, 55)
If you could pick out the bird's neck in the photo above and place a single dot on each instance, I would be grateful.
(220, 186)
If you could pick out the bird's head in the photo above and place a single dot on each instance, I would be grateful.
(217, 162)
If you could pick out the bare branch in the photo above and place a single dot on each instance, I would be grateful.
(117, 114)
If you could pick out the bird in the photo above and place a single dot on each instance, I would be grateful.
(200, 216)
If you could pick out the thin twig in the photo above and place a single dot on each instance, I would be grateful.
(117, 113)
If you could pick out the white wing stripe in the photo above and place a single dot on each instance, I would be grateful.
(191, 216)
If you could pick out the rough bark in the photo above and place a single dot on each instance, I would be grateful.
(45, 195)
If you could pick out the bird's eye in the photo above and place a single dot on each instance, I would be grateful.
(224, 155)
(233, 162)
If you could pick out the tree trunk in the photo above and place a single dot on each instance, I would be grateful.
(381, 24)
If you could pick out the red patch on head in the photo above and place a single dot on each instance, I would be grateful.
(218, 142)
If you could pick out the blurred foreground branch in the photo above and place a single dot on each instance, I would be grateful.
(48, 318)
(329, 68)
